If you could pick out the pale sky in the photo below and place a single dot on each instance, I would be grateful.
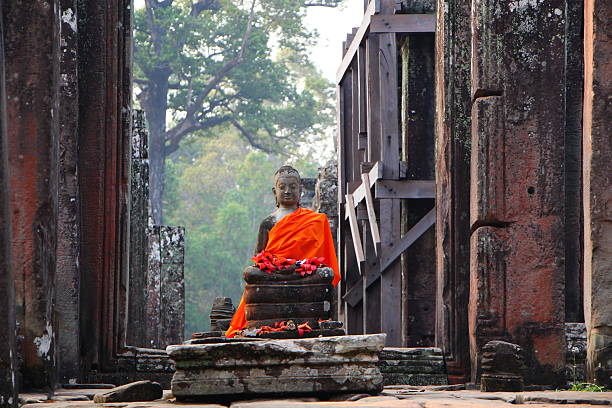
(333, 24)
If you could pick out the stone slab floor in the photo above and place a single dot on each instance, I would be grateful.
(391, 397)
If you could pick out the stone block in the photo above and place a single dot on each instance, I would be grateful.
(503, 366)
(575, 339)
(136, 391)
(413, 366)
(172, 244)
(517, 295)
(302, 366)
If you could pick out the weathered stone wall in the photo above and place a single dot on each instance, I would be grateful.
(67, 274)
(32, 85)
(452, 128)
(326, 194)
(597, 173)
(156, 304)
(517, 183)
(8, 387)
(139, 222)
(165, 297)
(575, 340)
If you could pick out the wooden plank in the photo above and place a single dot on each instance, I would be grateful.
(354, 293)
(355, 166)
(373, 96)
(405, 189)
(358, 38)
(374, 175)
(391, 280)
(353, 314)
(370, 293)
(371, 213)
(340, 143)
(362, 74)
(389, 118)
(403, 23)
(350, 209)
(347, 157)
(411, 236)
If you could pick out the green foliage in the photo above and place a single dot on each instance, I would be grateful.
(587, 387)
(231, 65)
(220, 190)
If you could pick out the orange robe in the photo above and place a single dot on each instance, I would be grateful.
(300, 235)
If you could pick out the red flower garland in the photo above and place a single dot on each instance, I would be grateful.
(269, 263)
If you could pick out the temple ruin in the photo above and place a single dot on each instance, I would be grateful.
(474, 192)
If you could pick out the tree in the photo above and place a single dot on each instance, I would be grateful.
(208, 65)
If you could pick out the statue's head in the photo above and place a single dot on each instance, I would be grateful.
(287, 187)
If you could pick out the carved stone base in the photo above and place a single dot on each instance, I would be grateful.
(277, 367)
(499, 382)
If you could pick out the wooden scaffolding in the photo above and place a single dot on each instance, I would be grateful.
(376, 172)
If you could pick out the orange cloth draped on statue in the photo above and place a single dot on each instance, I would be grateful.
(300, 235)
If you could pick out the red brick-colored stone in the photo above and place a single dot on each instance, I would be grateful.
(597, 175)
(517, 182)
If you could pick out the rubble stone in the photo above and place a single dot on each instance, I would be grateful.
(503, 366)
(136, 391)
(413, 366)
(323, 365)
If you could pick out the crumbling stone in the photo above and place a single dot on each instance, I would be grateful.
(221, 313)
(306, 366)
(517, 207)
(502, 365)
(136, 391)
(412, 366)
(326, 194)
(575, 339)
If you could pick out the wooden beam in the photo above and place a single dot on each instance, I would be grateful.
(350, 209)
(411, 236)
(405, 189)
(356, 41)
(365, 178)
(373, 97)
(353, 295)
(403, 23)
(374, 174)
(389, 107)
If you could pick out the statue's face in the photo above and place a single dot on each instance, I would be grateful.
(287, 191)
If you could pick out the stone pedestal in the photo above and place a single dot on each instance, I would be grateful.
(274, 297)
(277, 367)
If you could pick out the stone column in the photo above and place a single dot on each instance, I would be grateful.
(517, 183)
(597, 174)
(67, 276)
(452, 133)
(32, 55)
(139, 219)
(8, 387)
(165, 298)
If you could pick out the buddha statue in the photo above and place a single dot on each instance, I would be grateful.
(300, 237)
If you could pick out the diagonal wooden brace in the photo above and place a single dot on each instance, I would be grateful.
(355, 293)
(350, 209)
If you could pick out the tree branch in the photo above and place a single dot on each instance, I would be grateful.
(202, 5)
(249, 136)
(227, 67)
(172, 144)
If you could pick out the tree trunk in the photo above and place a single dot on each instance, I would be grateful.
(154, 100)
